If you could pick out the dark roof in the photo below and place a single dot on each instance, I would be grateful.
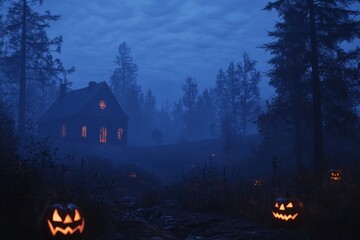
(73, 102)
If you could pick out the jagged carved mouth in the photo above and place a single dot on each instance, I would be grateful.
(284, 216)
(67, 230)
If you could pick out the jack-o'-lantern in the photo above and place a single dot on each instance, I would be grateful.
(335, 175)
(287, 210)
(257, 183)
(64, 221)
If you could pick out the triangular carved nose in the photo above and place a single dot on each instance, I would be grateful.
(68, 219)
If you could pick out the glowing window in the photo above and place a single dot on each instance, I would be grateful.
(63, 131)
(120, 133)
(103, 135)
(83, 132)
(102, 104)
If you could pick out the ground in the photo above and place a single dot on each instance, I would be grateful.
(170, 221)
(168, 218)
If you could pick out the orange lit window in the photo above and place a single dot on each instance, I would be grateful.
(63, 131)
(103, 135)
(83, 131)
(120, 133)
(102, 104)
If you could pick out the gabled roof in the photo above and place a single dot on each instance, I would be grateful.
(74, 101)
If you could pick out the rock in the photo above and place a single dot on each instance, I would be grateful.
(170, 222)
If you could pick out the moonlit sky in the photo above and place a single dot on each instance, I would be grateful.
(169, 39)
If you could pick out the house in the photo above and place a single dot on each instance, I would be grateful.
(90, 114)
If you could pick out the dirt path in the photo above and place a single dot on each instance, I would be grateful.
(169, 221)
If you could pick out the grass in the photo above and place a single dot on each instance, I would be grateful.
(41, 176)
(331, 208)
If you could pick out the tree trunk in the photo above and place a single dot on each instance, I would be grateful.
(298, 148)
(318, 134)
(244, 110)
(22, 94)
(298, 145)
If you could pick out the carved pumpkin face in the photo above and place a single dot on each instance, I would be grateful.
(335, 175)
(64, 221)
(287, 209)
(257, 183)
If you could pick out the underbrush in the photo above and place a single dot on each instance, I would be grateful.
(38, 177)
(331, 209)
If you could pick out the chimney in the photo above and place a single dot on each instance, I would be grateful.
(92, 84)
(63, 90)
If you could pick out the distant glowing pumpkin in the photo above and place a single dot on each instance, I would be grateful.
(335, 175)
(64, 221)
(287, 209)
(257, 183)
(132, 175)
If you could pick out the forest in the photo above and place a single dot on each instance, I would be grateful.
(217, 163)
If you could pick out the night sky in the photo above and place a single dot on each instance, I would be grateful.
(169, 39)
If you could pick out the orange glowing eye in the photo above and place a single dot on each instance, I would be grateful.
(276, 205)
(77, 215)
(290, 205)
(56, 217)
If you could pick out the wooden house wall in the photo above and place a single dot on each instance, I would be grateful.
(94, 118)
(93, 124)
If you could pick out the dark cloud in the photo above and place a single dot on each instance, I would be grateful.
(170, 39)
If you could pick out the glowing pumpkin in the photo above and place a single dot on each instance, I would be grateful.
(335, 175)
(257, 183)
(287, 210)
(132, 175)
(64, 221)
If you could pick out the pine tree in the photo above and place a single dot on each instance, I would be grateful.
(163, 119)
(190, 93)
(150, 106)
(220, 95)
(149, 112)
(232, 87)
(2, 55)
(30, 53)
(157, 136)
(177, 117)
(289, 77)
(332, 24)
(209, 112)
(316, 91)
(249, 79)
(204, 116)
(126, 90)
(123, 79)
(310, 63)
(133, 102)
(189, 99)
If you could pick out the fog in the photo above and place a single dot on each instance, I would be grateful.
(179, 119)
